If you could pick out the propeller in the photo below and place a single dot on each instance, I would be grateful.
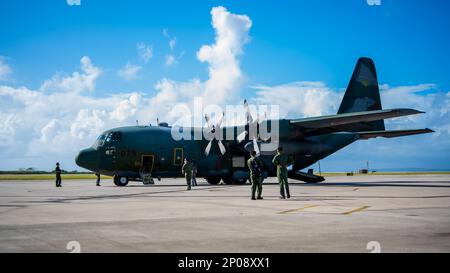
(213, 130)
(251, 122)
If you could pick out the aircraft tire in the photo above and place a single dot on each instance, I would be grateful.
(213, 180)
(120, 181)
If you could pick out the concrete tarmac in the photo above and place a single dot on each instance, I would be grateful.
(343, 214)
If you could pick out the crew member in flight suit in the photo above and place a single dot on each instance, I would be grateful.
(98, 179)
(194, 174)
(187, 171)
(255, 166)
(58, 175)
(281, 161)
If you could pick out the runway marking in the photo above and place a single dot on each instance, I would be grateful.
(296, 210)
(355, 210)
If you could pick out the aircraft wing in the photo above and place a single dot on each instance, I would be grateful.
(395, 133)
(346, 122)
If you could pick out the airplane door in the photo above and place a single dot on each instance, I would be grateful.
(147, 163)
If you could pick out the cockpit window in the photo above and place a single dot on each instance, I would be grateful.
(110, 137)
(114, 137)
(100, 141)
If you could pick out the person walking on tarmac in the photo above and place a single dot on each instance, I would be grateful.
(187, 171)
(255, 166)
(194, 174)
(98, 179)
(280, 160)
(58, 175)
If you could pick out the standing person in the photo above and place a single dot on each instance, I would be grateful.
(187, 171)
(98, 179)
(194, 174)
(58, 175)
(255, 166)
(281, 160)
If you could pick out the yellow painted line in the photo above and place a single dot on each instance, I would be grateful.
(355, 210)
(296, 210)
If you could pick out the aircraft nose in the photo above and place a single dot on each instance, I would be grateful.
(88, 159)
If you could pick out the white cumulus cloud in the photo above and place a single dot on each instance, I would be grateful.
(225, 75)
(300, 99)
(129, 72)
(77, 82)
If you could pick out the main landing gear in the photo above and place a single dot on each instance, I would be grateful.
(120, 181)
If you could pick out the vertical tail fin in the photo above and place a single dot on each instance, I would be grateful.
(363, 94)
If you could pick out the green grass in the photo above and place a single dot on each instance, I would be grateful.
(47, 176)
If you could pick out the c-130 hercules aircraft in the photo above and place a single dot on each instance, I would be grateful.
(136, 153)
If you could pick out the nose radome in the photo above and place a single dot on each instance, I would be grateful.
(88, 159)
(77, 159)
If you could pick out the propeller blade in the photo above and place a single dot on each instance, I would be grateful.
(219, 123)
(208, 121)
(253, 129)
(241, 136)
(261, 120)
(248, 115)
(255, 146)
(222, 147)
(208, 148)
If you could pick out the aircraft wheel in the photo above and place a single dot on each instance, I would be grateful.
(120, 181)
(240, 181)
(213, 180)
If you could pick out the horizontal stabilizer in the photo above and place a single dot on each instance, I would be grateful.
(349, 118)
(395, 133)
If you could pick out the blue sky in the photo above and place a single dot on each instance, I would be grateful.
(288, 42)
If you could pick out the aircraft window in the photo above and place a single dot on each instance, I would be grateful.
(100, 141)
(114, 137)
(108, 138)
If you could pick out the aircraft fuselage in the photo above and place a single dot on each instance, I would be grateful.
(152, 149)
